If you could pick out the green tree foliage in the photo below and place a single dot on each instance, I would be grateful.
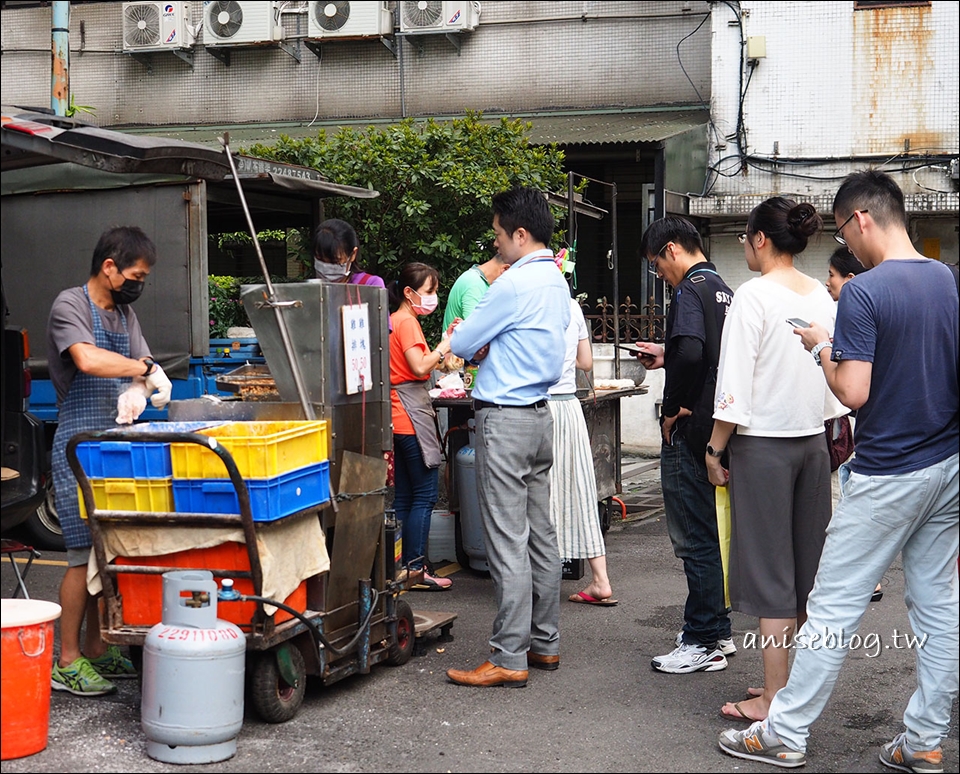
(435, 179)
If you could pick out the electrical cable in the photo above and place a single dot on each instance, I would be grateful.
(312, 626)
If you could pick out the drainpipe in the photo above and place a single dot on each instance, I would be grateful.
(60, 57)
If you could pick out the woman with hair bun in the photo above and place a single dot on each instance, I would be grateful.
(771, 403)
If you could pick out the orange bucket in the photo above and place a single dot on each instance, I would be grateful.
(27, 661)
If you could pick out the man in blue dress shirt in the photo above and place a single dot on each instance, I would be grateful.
(522, 318)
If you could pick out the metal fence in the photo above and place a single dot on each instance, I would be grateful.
(635, 325)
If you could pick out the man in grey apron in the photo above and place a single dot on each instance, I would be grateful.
(96, 349)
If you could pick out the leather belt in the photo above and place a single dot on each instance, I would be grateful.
(482, 404)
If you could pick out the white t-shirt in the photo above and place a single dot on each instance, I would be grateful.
(768, 384)
(575, 333)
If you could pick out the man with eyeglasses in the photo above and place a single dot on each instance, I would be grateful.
(689, 358)
(894, 357)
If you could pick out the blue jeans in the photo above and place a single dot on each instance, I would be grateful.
(689, 500)
(415, 494)
(914, 514)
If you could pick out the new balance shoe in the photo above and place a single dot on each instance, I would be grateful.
(896, 755)
(755, 744)
(690, 658)
(726, 645)
(80, 679)
(113, 664)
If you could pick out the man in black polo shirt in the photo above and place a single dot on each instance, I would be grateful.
(674, 250)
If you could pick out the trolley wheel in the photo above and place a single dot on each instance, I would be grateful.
(274, 699)
(136, 658)
(402, 648)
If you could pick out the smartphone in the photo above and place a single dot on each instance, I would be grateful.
(796, 322)
(631, 348)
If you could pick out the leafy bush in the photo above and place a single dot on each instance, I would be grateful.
(226, 309)
(435, 180)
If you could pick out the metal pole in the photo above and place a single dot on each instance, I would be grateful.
(60, 57)
(616, 286)
(308, 411)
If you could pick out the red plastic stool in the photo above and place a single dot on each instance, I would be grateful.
(11, 547)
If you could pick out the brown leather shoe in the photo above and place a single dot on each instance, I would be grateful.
(540, 661)
(488, 674)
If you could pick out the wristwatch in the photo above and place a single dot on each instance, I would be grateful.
(442, 355)
(715, 452)
(149, 363)
(816, 350)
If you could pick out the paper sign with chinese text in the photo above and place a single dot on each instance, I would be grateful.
(356, 348)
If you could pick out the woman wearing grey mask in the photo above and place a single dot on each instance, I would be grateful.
(335, 250)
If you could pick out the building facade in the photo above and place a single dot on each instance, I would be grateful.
(697, 108)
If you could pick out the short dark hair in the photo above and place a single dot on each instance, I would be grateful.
(844, 262)
(334, 240)
(874, 191)
(413, 276)
(787, 224)
(125, 245)
(525, 208)
(671, 228)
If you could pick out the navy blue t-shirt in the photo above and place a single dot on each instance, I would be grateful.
(902, 316)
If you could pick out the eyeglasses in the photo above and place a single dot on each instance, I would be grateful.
(656, 257)
(742, 238)
(838, 234)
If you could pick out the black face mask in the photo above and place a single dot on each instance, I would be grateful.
(129, 291)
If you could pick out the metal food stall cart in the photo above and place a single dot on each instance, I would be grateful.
(601, 410)
(327, 353)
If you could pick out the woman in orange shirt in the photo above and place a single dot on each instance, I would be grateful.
(416, 446)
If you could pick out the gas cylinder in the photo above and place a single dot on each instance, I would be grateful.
(471, 525)
(193, 673)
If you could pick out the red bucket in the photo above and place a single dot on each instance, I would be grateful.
(27, 661)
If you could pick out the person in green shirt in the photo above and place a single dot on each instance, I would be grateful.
(470, 287)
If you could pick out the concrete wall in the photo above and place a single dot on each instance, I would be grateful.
(523, 56)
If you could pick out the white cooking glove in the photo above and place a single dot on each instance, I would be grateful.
(131, 404)
(158, 381)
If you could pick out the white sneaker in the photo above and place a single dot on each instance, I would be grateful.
(690, 658)
(726, 645)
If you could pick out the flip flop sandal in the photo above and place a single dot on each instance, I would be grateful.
(585, 599)
(741, 716)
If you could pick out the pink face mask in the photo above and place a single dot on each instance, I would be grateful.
(428, 304)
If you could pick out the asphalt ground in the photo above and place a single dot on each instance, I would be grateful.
(604, 710)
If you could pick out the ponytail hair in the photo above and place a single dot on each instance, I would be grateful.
(414, 276)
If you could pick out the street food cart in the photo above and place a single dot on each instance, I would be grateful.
(601, 410)
(344, 614)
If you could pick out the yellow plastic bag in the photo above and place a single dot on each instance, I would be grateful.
(723, 531)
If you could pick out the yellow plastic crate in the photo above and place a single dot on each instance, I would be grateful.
(260, 449)
(128, 494)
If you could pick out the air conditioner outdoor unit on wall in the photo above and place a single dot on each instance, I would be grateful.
(235, 23)
(156, 26)
(363, 19)
(438, 16)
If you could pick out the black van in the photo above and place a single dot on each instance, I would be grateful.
(24, 447)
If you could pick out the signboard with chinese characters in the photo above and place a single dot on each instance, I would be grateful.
(356, 348)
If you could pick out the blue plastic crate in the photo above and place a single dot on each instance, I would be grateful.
(270, 498)
(134, 459)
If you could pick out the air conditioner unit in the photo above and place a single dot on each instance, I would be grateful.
(234, 23)
(438, 16)
(364, 19)
(156, 26)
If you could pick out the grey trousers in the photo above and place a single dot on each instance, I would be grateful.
(514, 448)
